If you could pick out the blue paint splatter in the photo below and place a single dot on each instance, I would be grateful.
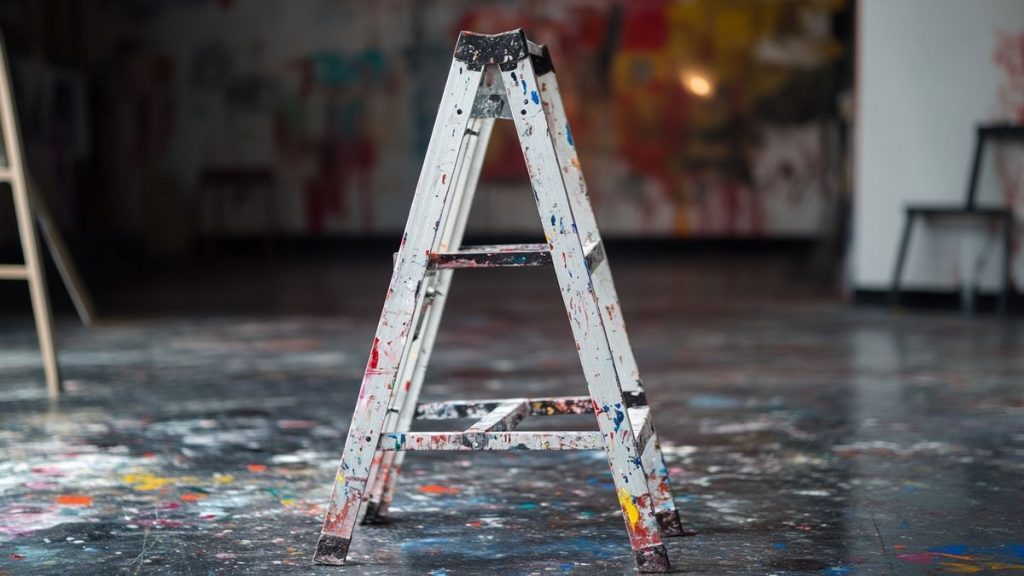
(619, 416)
(836, 570)
(954, 549)
(524, 87)
(535, 97)
(568, 135)
(439, 572)
(553, 220)
(528, 506)
(779, 546)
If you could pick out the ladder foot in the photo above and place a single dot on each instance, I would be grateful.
(331, 550)
(671, 525)
(652, 560)
(375, 515)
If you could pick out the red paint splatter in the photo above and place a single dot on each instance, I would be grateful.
(192, 496)
(444, 178)
(16, 557)
(374, 354)
(921, 558)
(438, 489)
(74, 500)
(257, 467)
(408, 383)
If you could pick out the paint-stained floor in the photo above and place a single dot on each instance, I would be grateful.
(803, 436)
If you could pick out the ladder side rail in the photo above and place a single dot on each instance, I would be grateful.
(586, 318)
(604, 285)
(486, 127)
(614, 324)
(415, 367)
(404, 296)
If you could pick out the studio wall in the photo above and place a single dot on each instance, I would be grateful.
(693, 118)
(929, 72)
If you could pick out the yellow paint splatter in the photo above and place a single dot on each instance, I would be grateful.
(340, 478)
(146, 482)
(287, 502)
(223, 478)
(627, 504)
(961, 567)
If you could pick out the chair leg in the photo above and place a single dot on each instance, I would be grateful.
(901, 255)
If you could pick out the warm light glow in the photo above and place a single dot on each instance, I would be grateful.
(697, 83)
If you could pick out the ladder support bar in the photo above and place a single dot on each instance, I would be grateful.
(504, 418)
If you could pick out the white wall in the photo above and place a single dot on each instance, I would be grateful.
(926, 77)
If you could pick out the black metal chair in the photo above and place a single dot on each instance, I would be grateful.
(1004, 216)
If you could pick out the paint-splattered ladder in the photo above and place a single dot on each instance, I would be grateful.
(494, 77)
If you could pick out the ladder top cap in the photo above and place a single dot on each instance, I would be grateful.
(504, 49)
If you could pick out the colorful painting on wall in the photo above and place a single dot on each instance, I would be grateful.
(694, 118)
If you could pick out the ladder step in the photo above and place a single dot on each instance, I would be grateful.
(13, 272)
(456, 409)
(496, 256)
(507, 255)
(475, 439)
(548, 406)
(458, 441)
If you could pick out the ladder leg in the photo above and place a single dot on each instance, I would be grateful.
(437, 284)
(386, 479)
(604, 290)
(560, 227)
(405, 296)
(26, 230)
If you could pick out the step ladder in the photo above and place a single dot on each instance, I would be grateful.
(500, 76)
(30, 208)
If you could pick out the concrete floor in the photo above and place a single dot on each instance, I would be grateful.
(803, 436)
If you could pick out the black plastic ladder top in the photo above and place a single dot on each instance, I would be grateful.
(505, 50)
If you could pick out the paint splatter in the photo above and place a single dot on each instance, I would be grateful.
(256, 467)
(438, 489)
(375, 353)
(535, 97)
(628, 506)
(568, 135)
(74, 500)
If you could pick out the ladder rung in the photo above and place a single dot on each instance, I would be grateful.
(497, 256)
(13, 272)
(453, 441)
(508, 255)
